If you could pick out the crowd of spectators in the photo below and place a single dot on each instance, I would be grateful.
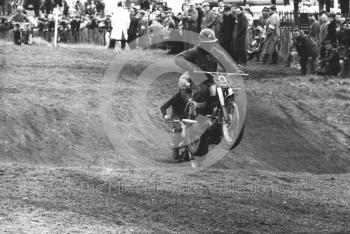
(240, 32)
(326, 46)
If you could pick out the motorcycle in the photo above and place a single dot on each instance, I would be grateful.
(222, 126)
(256, 45)
(23, 33)
(181, 138)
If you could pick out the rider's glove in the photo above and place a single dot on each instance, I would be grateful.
(166, 117)
(194, 103)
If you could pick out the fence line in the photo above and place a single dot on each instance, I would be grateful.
(89, 36)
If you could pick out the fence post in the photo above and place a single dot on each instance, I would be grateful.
(56, 10)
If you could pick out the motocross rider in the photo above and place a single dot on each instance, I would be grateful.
(205, 57)
(178, 104)
(19, 17)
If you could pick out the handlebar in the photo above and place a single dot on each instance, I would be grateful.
(173, 121)
(221, 73)
(22, 23)
(183, 121)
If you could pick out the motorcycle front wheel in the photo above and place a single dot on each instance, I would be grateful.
(197, 139)
(230, 129)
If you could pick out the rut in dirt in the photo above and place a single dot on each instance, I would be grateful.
(287, 145)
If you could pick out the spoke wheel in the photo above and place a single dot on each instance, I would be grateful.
(230, 129)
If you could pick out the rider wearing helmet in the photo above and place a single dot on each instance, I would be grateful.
(178, 104)
(179, 101)
(206, 56)
(19, 17)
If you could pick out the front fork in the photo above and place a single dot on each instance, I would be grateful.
(222, 103)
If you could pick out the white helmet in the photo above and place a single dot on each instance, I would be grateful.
(184, 80)
(207, 35)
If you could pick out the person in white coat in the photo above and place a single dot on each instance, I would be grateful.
(120, 25)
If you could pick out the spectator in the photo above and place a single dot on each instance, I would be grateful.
(332, 29)
(338, 21)
(344, 42)
(323, 28)
(79, 7)
(226, 30)
(100, 7)
(249, 15)
(215, 25)
(200, 16)
(132, 31)
(156, 34)
(65, 8)
(240, 38)
(169, 22)
(145, 5)
(142, 30)
(75, 24)
(2, 7)
(329, 62)
(307, 50)
(314, 28)
(120, 25)
(272, 36)
(221, 7)
(208, 16)
(264, 16)
(189, 19)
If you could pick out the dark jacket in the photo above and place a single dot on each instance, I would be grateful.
(331, 58)
(306, 47)
(344, 37)
(134, 24)
(227, 27)
(177, 103)
(145, 4)
(314, 30)
(332, 32)
(199, 20)
(330, 62)
(190, 19)
(240, 33)
(194, 58)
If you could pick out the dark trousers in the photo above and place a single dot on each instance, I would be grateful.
(345, 5)
(112, 43)
(132, 41)
(17, 37)
(227, 46)
(304, 61)
(240, 57)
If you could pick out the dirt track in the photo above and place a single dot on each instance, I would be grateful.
(57, 121)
